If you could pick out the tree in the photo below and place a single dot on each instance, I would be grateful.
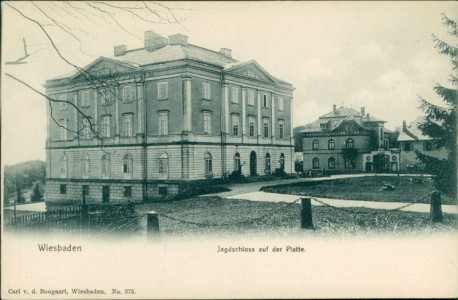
(37, 192)
(69, 28)
(440, 123)
(19, 196)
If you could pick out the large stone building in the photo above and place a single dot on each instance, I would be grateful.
(346, 140)
(162, 118)
(411, 140)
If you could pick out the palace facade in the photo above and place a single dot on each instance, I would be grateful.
(158, 120)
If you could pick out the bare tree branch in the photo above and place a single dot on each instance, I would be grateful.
(105, 82)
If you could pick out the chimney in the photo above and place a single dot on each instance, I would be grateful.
(368, 116)
(226, 52)
(363, 110)
(404, 125)
(178, 39)
(334, 108)
(120, 50)
(154, 41)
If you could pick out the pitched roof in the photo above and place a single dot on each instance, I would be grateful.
(412, 132)
(76, 72)
(171, 49)
(167, 53)
(335, 118)
(340, 112)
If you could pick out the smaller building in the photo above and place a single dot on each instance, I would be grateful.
(411, 140)
(348, 141)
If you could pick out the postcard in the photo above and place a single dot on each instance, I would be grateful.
(228, 150)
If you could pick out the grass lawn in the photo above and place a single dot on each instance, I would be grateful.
(280, 218)
(363, 188)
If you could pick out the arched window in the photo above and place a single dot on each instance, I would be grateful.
(331, 163)
(349, 143)
(316, 163)
(267, 164)
(237, 164)
(86, 165)
(282, 162)
(163, 166)
(208, 165)
(315, 145)
(331, 145)
(127, 164)
(105, 165)
(63, 166)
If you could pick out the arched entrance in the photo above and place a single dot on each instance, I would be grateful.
(381, 163)
(267, 170)
(282, 162)
(253, 163)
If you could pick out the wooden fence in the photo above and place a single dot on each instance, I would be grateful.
(101, 218)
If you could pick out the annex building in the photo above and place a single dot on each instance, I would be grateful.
(346, 140)
(411, 139)
(158, 120)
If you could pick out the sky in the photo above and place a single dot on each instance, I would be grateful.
(379, 55)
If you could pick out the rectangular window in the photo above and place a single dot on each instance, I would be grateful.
(235, 94)
(207, 119)
(163, 166)
(281, 104)
(206, 91)
(163, 191)
(407, 146)
(264, 100)
(427, 145)
(63, 189)
(128, 191)
(162, 91)
(251, 122)
(85, 129)
(251, 98)
(128, 93)
(85, 190)
(163, 123)
(85, 99)
(127, 124)
(107, 97)
(266, 128)
(63, 129)
(105, 193)
(235, 125)
(281, 129)
(62, 105)
(315, 163)
(106, 126)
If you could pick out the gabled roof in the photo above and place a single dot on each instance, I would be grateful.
(336, 117)
(412, 132)
(231, 67)
(75, 73)
(341, 112)
(168, 52)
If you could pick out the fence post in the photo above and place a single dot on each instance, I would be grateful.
(152, 225)
(306, 213)
(435, 211)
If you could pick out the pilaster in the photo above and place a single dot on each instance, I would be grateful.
(244, 120)
(140, 108)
